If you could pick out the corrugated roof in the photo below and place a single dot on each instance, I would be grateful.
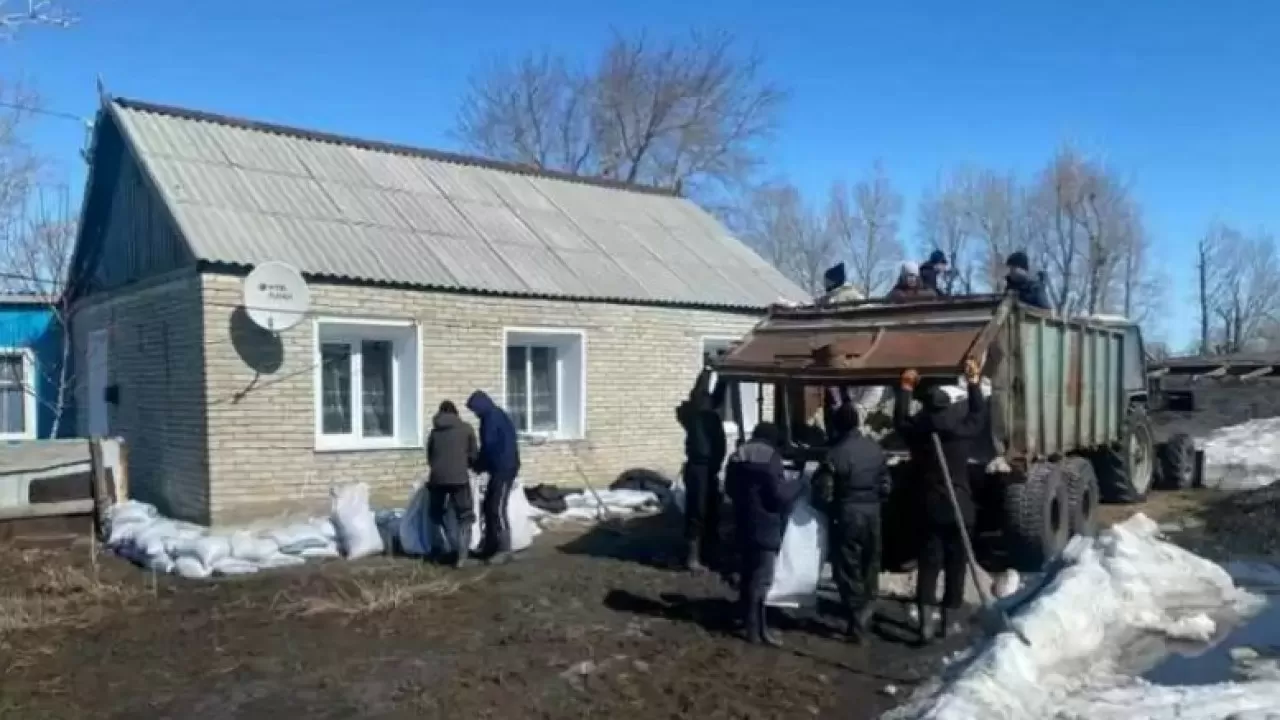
(244, 193)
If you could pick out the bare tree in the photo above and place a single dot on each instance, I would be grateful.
(14, 16)
(692, 114)
(778, 224)
(865, 219)
(1241, 285)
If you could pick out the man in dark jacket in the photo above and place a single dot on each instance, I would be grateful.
(499, 456)
(852, 481)
(933, 272)
(451, 451)
(1022, 283)
(909, 286)
(705, 446)
(943, 548)
(762, 499)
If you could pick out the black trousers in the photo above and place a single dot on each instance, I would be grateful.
(942, 552)
(855, 555)
(753, 587)
(497, 533)
(702, 503)
(450, 508)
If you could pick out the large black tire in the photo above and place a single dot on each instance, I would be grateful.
(1083, 495)
(1037, 524)
(1126, 470)
(1177, 458)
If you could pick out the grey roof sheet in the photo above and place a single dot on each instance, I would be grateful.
(245, 192)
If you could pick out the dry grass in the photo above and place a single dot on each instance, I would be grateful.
(54, 592)
(353, 597)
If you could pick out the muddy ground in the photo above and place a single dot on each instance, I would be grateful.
(568, 632)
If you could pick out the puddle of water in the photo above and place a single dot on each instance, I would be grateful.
(1250, 648)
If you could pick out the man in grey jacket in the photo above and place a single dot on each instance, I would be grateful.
(451, 450)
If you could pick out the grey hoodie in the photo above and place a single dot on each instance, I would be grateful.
(451, 450)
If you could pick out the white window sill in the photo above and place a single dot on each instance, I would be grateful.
(328, 445)
(543, 438)
(10, 437)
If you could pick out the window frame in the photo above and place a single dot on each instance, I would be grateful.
(556, 339)
(730, 426)
(29, 407)
(405, 337)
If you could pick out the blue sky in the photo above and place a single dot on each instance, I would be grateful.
(1181, 95)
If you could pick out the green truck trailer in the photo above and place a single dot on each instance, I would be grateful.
(1067, 426)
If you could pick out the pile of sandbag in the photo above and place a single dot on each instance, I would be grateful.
(138, 532)
(418, 536)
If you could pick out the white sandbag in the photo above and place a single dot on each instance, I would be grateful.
(131, 511)
(190, 567)
(161, 563)
(280, 560)
(247, 546)
(234, 566)
(804, 542)
(517, 519)
(209, 550)
(325, 527)
(297, 537)
(415, 534)
(320, 553)
(356, 524)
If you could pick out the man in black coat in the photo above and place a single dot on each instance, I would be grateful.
(943, 548)
(705, 446)
(1019, 281)
(762, 498)
(933, 272)
(853, 480)
(451, 451)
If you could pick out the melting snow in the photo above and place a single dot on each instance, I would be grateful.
(1114, 587)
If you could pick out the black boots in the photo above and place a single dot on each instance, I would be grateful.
(463, 546)
(860, 624)
(928, 624)
(755, 628)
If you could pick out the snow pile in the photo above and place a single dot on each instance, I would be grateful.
(1113, 587)
(1244, 456)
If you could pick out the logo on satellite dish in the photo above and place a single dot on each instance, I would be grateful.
(275, 296)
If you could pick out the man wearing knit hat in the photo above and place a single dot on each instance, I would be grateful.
(934, 270)
(1021, 282)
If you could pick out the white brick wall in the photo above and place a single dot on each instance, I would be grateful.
(641, 362)
(155, 359)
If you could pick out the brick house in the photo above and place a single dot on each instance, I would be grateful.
(583, 306)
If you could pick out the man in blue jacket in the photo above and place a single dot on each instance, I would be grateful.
(499, 456)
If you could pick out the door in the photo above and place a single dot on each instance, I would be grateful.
(96, 360)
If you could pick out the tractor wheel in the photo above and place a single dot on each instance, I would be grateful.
(1125, 470)
(1037, 517)
(1082, 495)
(1177, 462)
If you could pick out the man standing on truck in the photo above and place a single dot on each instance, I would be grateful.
(909, 286)
(943, 548)
(1021, 282)
(934, 271)
(705, 446)
(852, 481)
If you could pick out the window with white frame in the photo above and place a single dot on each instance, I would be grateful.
(748, 392)
(17, 395)
(545, 382)
(368, 384)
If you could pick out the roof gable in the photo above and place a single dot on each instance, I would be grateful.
(243, 193)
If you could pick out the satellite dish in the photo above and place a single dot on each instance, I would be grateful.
(275, 296)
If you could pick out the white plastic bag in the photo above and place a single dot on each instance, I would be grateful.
(320, 553)
(415, 533)
(795, 577)
(209, 550)
(234, 566)
(355, 522)
(297, 537)
(280, 560)
(246, 546)
(517, 518)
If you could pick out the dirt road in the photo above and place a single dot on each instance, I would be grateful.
(564, 633)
